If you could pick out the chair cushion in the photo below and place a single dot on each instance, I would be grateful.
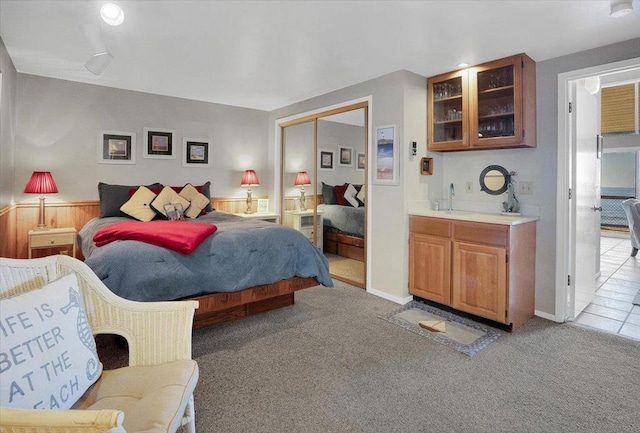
(153, 398)
(48, 356)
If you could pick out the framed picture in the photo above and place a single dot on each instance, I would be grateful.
(195, 152)
(360, 161)
(346, 156)
(326, 160)
(117, 147)
(158, 143)
(426, 166)
(263, 205)
(174, 211)
(387, 163)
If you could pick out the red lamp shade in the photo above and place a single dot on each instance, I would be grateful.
(41, 182)
(249, 178)
(302, 178)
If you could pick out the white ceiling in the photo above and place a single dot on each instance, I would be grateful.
(269, 54)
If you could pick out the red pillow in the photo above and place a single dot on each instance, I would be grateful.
(340, 189)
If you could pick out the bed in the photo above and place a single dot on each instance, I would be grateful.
(343, 223)
(247, 266)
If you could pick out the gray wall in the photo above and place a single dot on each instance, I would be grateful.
(398, 98)
(58, 124)
(7, 126)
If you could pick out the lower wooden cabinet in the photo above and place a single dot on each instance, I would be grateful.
(479, 268)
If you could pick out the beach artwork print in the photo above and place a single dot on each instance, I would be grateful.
(386, 155)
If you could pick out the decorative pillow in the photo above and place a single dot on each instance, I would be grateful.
(360, 196)
(48, 356)
(197, 200)
(328, 194)
(350, 195)
(112, 197)
(340, 189)
(139, 205)
(167, 196)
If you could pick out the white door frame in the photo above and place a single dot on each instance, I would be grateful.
(564, 222)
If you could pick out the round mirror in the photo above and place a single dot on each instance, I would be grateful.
(494, 180)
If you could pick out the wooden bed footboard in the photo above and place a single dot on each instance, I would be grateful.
(223, 307)
(343, 245)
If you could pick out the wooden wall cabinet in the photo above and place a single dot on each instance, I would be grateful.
(484, 269)
(488, 106)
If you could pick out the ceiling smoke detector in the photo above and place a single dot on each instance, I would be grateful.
(620, 8)
(112, 14)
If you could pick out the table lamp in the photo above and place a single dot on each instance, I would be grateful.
(302, 179)
(41, 182)
(249, 179)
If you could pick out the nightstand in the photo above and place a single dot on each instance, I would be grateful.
(302, 220)
(52, 238)
(264, 216)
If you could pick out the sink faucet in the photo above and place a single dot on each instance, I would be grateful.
(452, 193)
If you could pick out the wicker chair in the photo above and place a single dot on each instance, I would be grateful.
(632, 210)
(159, 337)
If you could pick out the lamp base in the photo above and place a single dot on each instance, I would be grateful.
(248, 211)
(41, 220)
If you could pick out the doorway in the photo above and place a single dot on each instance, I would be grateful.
(324, 182)
(573, 207)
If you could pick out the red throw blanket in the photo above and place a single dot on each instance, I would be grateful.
(181, 236)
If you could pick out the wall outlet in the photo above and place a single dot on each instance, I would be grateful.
(525, 188)
(469, 187)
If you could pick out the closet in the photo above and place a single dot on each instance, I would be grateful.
(323, 185)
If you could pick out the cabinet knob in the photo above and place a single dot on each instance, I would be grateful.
(52, 242)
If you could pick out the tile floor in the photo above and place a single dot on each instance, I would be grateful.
(611, 310)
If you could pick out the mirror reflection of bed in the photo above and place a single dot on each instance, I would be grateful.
(343, 193)
(329, 149)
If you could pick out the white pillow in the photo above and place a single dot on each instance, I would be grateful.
(48, 355)
(198, 201)
(168, 196)
(350, 195)
(139, 205)
(360, 195)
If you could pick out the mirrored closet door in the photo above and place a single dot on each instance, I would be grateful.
(324, 186)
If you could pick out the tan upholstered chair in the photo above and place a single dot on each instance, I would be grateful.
(153, 394)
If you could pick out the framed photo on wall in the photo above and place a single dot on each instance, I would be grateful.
(387, 163)
(195, 152)
(360, 161)
(326, 159)
(159, 143)
(346, 156)
(116, 147)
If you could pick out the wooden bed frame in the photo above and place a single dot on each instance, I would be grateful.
(225, 307)
(343, 245)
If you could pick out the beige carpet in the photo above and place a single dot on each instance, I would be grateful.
(346, 268)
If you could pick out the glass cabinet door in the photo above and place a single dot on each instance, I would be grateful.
(447, 117)
(495, 103)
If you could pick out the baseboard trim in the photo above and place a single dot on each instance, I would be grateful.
(546, 316)
(388, 297)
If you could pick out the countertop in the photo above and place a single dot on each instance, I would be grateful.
(490, 218)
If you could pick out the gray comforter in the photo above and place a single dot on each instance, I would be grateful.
(242, 253)
(347, 219)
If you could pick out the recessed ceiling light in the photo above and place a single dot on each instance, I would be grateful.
(620, 8)
(112, 14)
(463, 64)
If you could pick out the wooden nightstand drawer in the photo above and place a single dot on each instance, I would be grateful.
(52, 238)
